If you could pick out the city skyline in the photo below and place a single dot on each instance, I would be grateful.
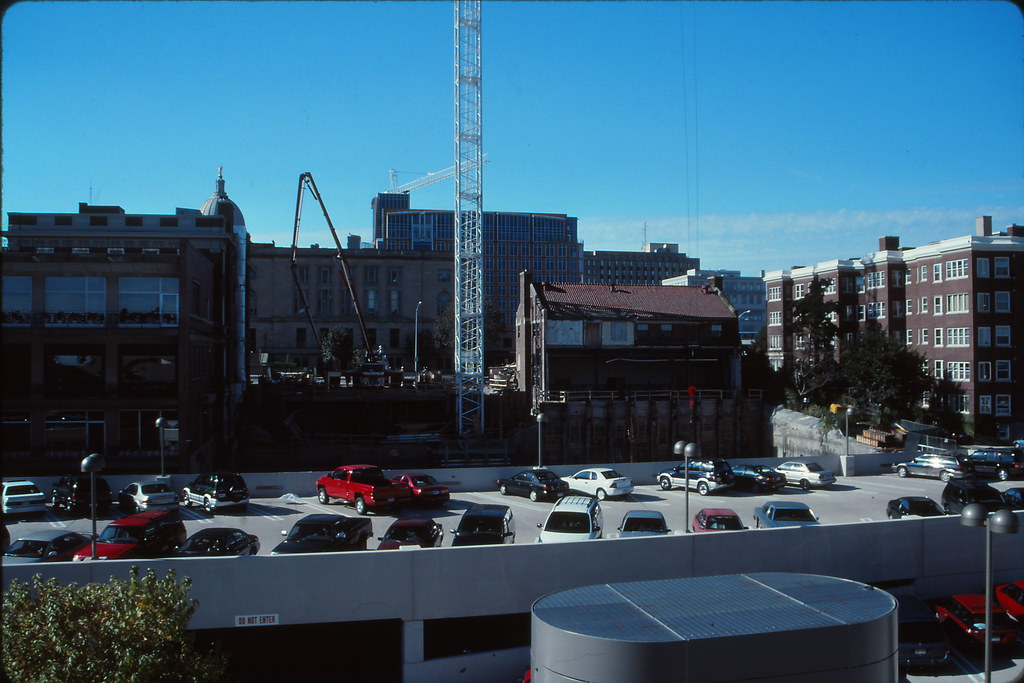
(757, 136)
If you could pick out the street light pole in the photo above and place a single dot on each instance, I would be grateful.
(416, 346)
(540, 438)
(1001, 522)
(160, 422)
(92, 464)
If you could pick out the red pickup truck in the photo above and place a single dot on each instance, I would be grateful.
(363, 486)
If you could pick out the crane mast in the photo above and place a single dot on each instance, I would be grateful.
(469, 323)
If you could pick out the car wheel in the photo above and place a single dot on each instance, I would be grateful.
(703, 488)
(665, 483)
(805, 485)
(360, 505)
(186, 499)
(503, 490)
(601, 495)
(902, 471)
(208, 504)
(321, 495)
(1002, 474)
(533, 495)
(944, 476)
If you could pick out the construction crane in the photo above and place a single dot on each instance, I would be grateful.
(428, 179)
(306, 182)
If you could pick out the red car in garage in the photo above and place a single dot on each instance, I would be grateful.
(1011, 598)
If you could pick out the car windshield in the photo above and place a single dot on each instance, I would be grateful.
(813, 467)
(155, 488)
(405, 534)
(204, 544)
(986, 495)
(643, 524)
(793, 515)
(21, 490)
(121, 534)
(26, 548)
(610, 474)
(761, 469)
(724, 523)
(924, 508)
(568, 522)
(545, 475)
(232, 482)
(309, 530)
(423, 480)
(480, 525)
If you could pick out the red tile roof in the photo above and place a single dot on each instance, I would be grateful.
(575, 300)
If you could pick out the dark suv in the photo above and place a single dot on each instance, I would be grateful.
(214, 490)
(959, 493)
(73, 492)
(999, 463)
(485, 525)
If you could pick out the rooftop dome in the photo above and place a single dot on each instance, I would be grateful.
(212, 206)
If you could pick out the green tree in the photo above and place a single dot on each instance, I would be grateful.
(124, 630)
(883, 377)
(336, 348)
(444, 328)
(814, 366)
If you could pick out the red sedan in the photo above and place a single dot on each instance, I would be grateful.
(425, 489)
(1011, 598)
(965, 616)
(717, 519)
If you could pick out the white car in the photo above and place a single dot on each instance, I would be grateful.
(643, 523)
(573, 518)
(600, 482)
(805, 474)
(139, 496)
(23, 497)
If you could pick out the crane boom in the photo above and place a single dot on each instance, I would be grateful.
(306, 181)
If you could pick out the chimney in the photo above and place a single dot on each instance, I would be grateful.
(983, 226)
(889, 243)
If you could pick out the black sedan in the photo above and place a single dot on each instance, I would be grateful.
(411, 531)
(913, 506)
(325, 534)
(758, 478)
(536, 483)
(219, 541)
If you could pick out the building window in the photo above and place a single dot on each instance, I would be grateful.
(937, 272)
(444, 276)
(938, 370)
(1003, 370)
(138, 429)
(76, 301)
(876, 310)
(956, 270)
(73, 371)
(1003, 404)
(985, 405)
(984, 336)
(959, 371)
(1002, 266)
(775, 342)
(72, 432)
(937, 305)
(798, 291)
(1002, 335)
(984, 302)
(150, 370)
(394, 275)
(910, 306)
(774, 318)
(861, 312)
(910, 337)
(859, 284)
(325, 301)
(370, 275)
(957, 303)
(984, 371)
(394, 337)
(981, 267)
(923, 274)
(325, 276)
(924, 304)
(775, 293)
(17, 299)
(958, 336)
(617, 331)
(394, 301)
(938, 336)
(958, 403)
(876, 279)
(897, 309)
(1003, 302)
(924, 335)
(371, 301)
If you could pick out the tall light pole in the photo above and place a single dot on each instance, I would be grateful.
(160, 424)
(540, 438)
(92, 464)
(687, 450)
(1000, 522)
(416, 346)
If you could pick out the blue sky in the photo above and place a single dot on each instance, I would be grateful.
(756, 135)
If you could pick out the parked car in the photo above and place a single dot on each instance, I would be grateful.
(425, 489)
(964, 616)
(961, 492)
(573, 518)
(1011, 598)
(600, 482)
(536, 483)
(778, 513)
(22, 497)
(805, 474)
(324, 533)
(156, 533)
(643, 523)
(944, 467)
(139, 496)
(757, 478)
(912, 506)
(73, 493)
(219, 542)
(922, 641)
(716, 519)
(216, 490)
(362, 486)
(705, 476)
(1014, 498)
(48, 545)
(485, 525)
(1001, 463)
(412, 532)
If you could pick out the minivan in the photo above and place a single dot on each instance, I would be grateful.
(573, 518)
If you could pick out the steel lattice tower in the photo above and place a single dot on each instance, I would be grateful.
(469, 277)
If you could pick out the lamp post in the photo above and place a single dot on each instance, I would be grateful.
(687, 450)
(416, 345)
(92, 464)
(540, 437)
(1001, 522)
(160, 424)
